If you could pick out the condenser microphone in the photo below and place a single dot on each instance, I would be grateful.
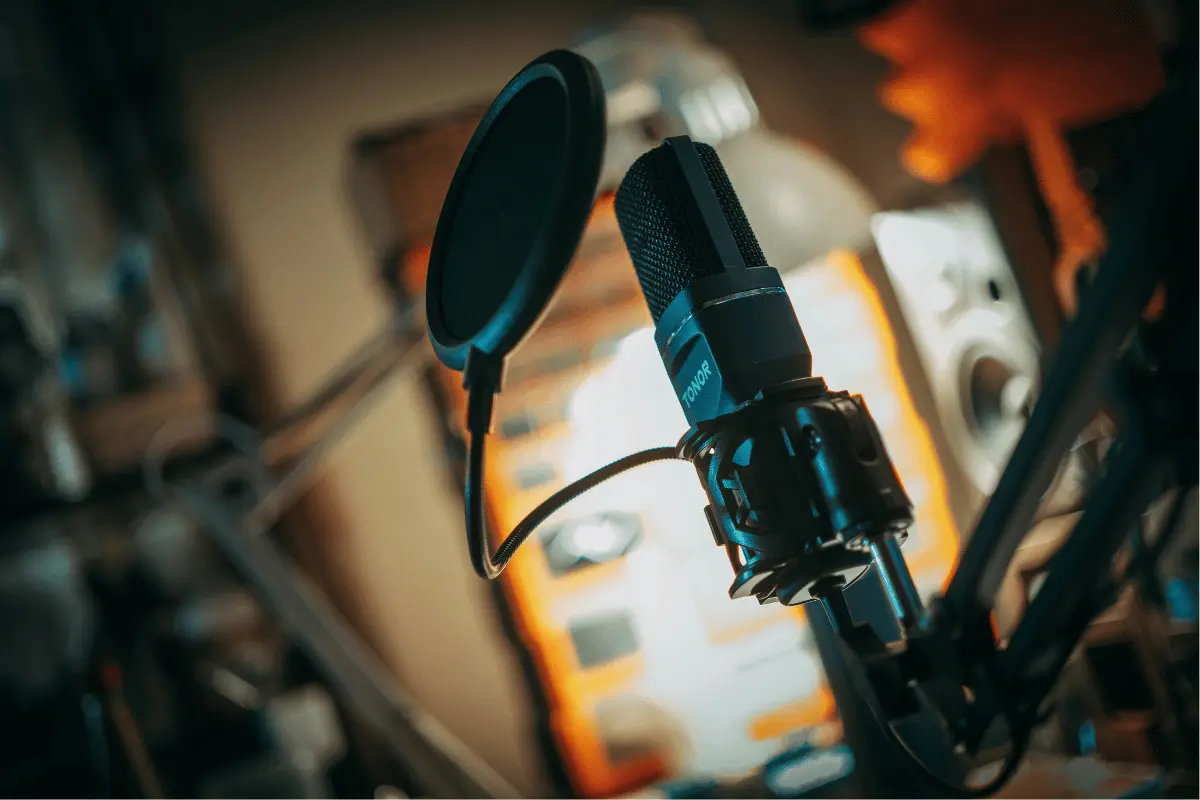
(724, 325)
(802, 494)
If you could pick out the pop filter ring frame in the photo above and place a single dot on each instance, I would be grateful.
(481, 355)
(559, 235)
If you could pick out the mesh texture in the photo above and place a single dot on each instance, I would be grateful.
(663, 232)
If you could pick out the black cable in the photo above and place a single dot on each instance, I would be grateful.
(1145, 560)
(1012, 762)
(490, 566)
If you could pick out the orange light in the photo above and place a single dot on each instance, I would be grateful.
(806, 713)
(983, 68)
(971, 73)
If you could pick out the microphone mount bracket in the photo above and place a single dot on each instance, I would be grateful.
(801, 490)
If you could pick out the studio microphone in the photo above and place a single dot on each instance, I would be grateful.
(802, 494)
(723, 321)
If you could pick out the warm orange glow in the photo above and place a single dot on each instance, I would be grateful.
(414, 267)
(603, 210)
(971, 73)
(806, 713)
(1081, 235)
(743, 628)
(588, 764)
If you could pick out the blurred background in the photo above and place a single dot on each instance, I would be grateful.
(206, 209)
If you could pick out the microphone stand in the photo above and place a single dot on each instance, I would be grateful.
(950, 658)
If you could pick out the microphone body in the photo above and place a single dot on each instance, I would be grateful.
(801, 491)
(724, 324)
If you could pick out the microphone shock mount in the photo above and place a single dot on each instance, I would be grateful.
(802, 495)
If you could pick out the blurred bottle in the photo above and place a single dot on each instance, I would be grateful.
(662, 79)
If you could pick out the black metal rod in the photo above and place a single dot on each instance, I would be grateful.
(1061, 611)
(897, 580)
(882, 770)
(300, 473)
(1137, 254)
(400, 332)
(1070, 399)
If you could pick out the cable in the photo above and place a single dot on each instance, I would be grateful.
(1018, 737)
(490, 566)
(1144, 557)
(483, 375)
(1012, 762)
(242, 436)
(1147, 558)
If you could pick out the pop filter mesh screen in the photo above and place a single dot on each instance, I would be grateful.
(503, 206)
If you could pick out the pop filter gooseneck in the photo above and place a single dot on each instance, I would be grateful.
(513, 216)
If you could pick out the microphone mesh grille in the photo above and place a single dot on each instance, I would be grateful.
(664, 236)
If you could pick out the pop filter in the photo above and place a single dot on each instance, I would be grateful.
(515, 210)
(513, 216)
